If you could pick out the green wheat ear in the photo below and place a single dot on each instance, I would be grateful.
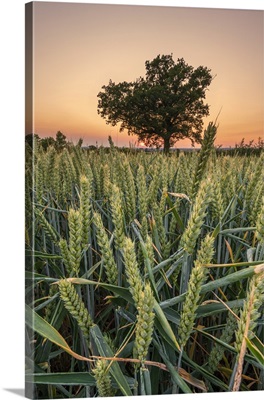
(106, 180)
(75, 306)
(47, 227)
(85, 209)
(129, 191)
(50, 167)
(132, 271)
(217, 352)
(206, 149)
(142, 192)
(117, 216)
(197, 278)
(49, 310)
(150, 253)
(107, 254)
(198, 213)
(144, 326)
(75, 250)
(250, 312)
(247, 323)
(260, 224)
(65, 255)
(103, 380)
(39, 179)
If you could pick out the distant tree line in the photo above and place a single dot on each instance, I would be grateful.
(244, 149)
(59, 143)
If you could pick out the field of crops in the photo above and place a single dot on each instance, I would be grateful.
(144, 272)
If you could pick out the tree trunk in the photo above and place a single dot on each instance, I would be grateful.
(166, 147)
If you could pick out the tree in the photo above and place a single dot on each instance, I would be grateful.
(46, 142)
(61, 141)
(163, 107)
(30, 137)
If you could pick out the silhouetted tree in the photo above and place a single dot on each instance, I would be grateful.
(46, 142)
(30, 137)
(162, 108)
(61, 141)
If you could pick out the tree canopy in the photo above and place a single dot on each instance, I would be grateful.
(161, 108)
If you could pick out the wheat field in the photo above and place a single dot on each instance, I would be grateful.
(144, 272)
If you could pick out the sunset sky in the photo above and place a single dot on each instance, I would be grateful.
(79, 47)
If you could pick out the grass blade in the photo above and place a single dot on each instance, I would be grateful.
(259, 357)
(62, 378)
(225, 281)
(43, 328)
(165, 328)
